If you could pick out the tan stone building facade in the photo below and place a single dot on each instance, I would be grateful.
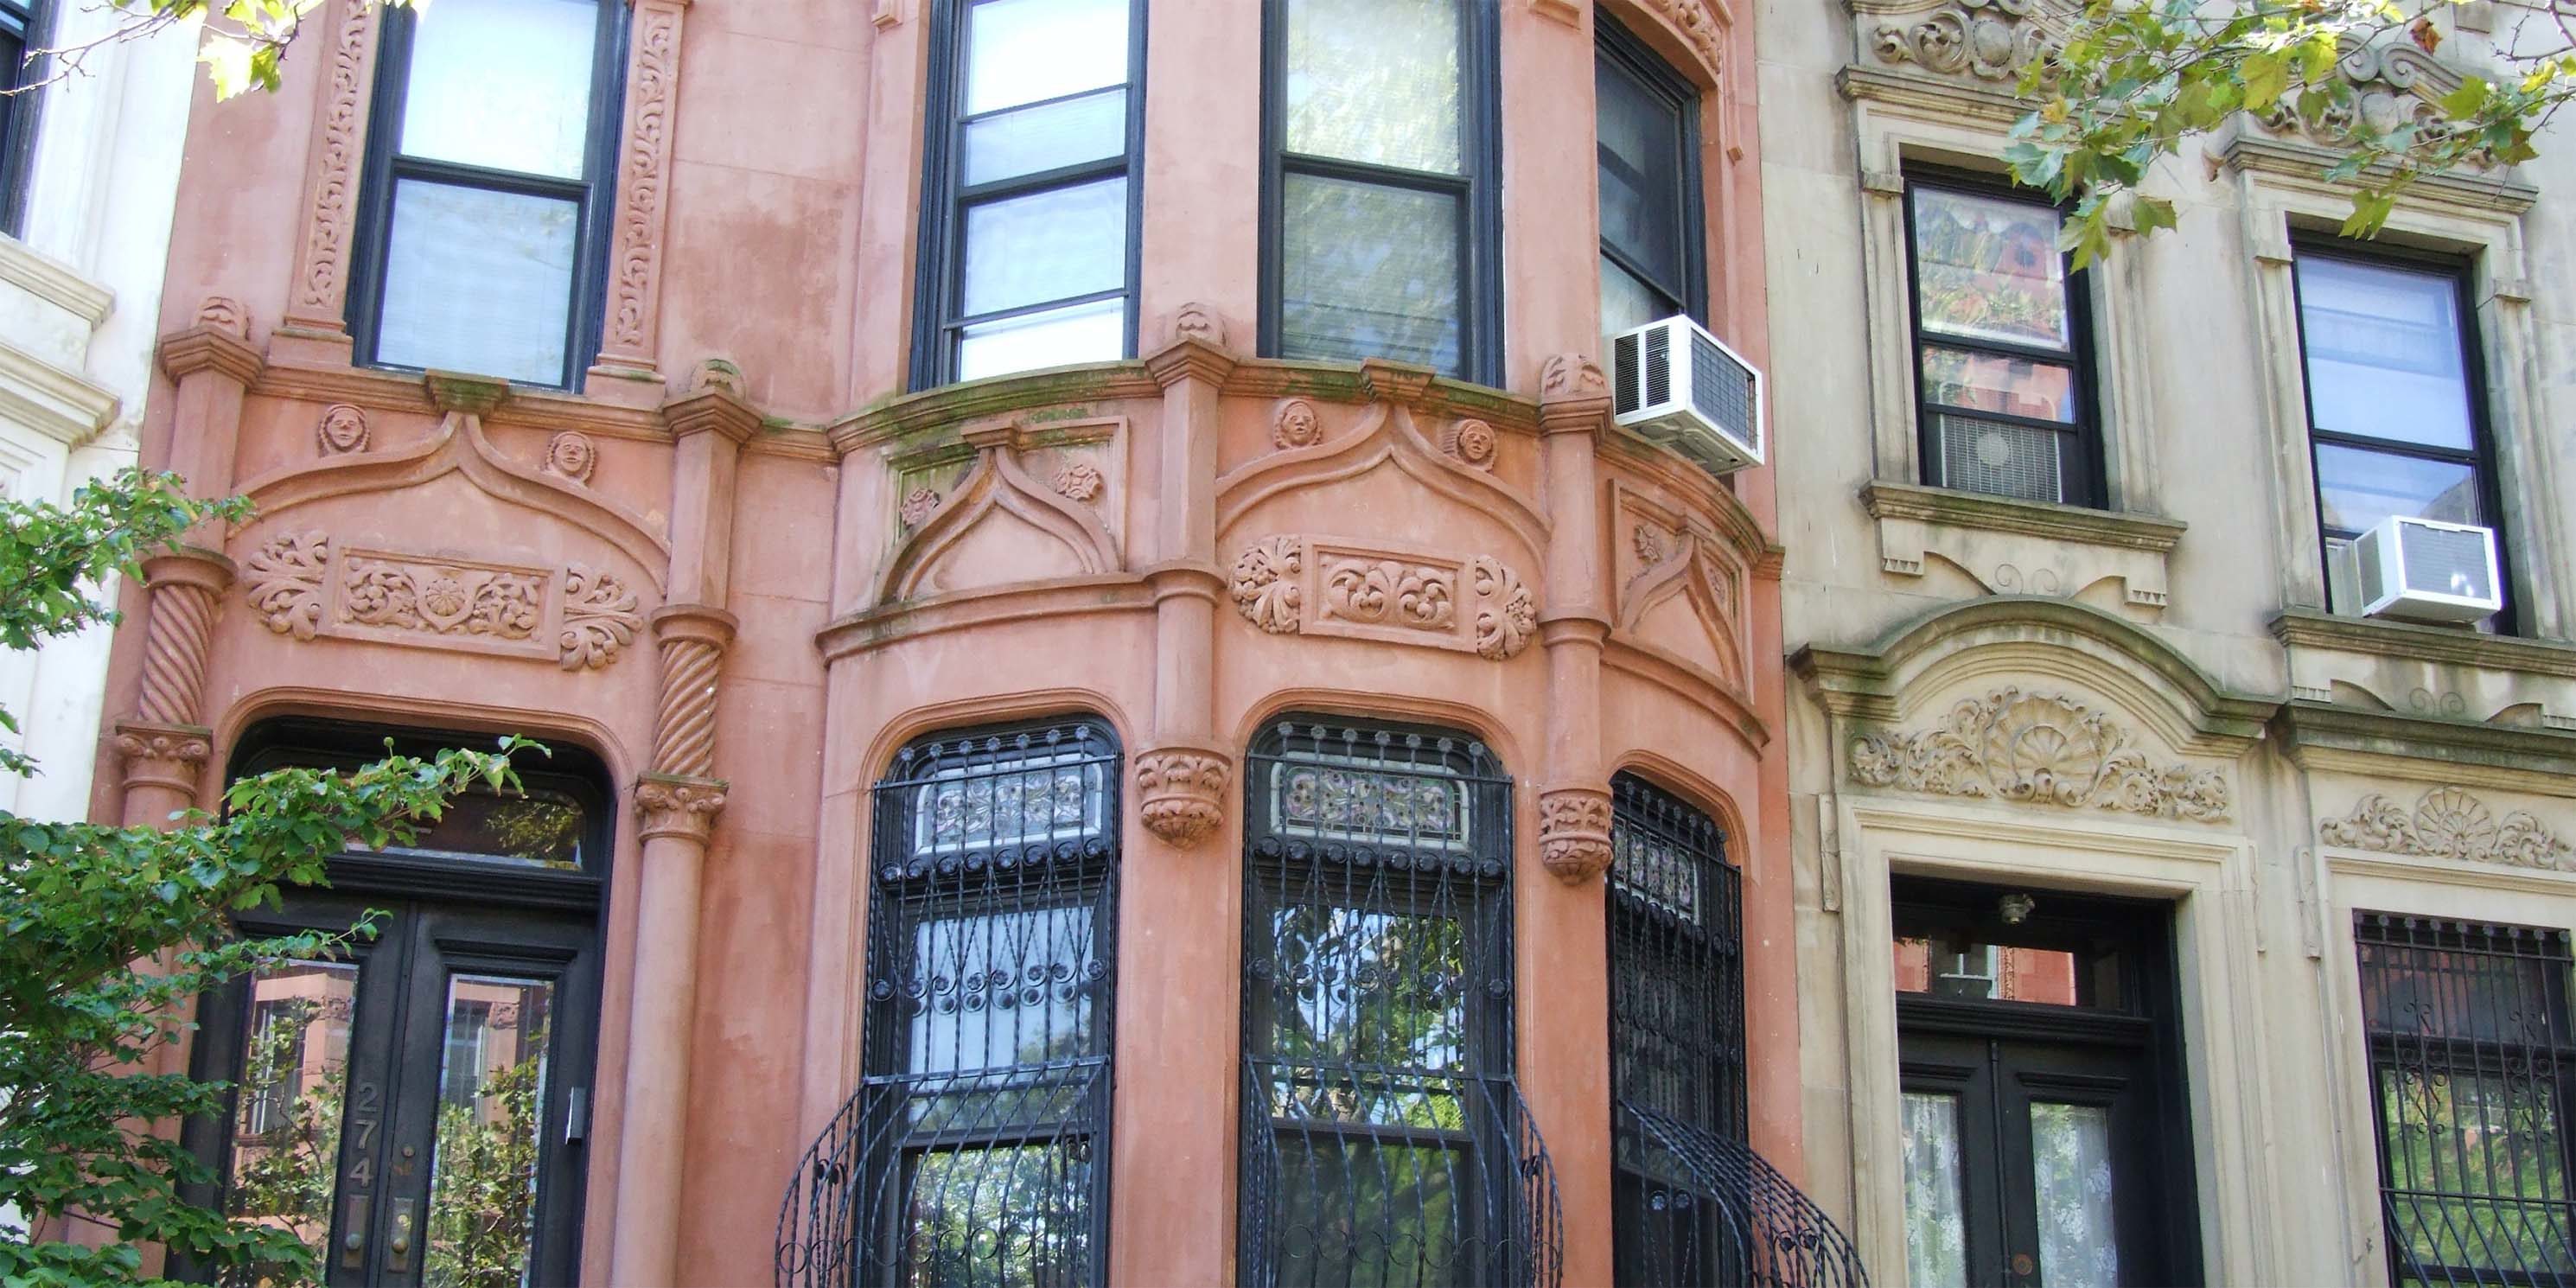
(2162, 917)
(1121, 712)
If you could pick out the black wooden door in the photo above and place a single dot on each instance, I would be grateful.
(415, 1109)
(2046, 1144)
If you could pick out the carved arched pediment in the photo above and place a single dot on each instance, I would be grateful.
(460, 447)
(1386, 439)
(998, 493)
(1690, 575)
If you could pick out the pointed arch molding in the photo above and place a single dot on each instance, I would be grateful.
(996, 484)
(460, 447)
(1669, 553)
(1386, 435)
(1915, 672)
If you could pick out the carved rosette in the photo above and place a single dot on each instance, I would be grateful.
(2448, 823)
(674, 806)
(1180, 793)
(1079, 481)
(1574, 832)
(1265, 586)
(1506, 612)
(599, 618)
(2038, 749)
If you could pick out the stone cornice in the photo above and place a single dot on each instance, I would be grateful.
(2128, 531)
(53, 281)
(2306, 628)
(1931, 98)
(56, 403)
(2324, 735)
(400, 392)
(2303, 165)
(908, 414)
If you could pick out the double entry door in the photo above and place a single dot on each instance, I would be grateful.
(2045, 1140)
(413, 1109)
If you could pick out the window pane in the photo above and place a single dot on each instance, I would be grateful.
(1015, 1215)
(1083, 333)
(2357, 488)
(1046, 246)
(1936, 1226)
(1046, 137)
(515, 250)
(1355, 1210)
(491, 1124)
(1989, 269)
(1640, 157)
(503, 84)
(1370, 988)
(285, 1153)
(2383, 350)
(1627, 302)
(536, 829)
(1023, 51)
(2070, 1158)
(2012, 973)
(1003, 988)
(1376, 81)
(1368, 272)
(1990, 382)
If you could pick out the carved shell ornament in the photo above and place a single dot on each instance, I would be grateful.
(2448, 823)
(1296, 425)
(343, 429)
(2039, 749)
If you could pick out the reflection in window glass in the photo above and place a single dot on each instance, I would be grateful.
(502, 84)
(285, 1149)
(2356, 488)
(1648, 167)
(1048, 245)
(1993, 382)
(1369, 271)
(1995, 972)
(1030, 51)
(1989, 269)
(2070, 1158)
(2384, 354)
(535, 828)
(1377, 82)
(481, 1219)
(1936, 1226)
(1368, 987)
(1007, 1215)
(518, 251)
(1002, 989)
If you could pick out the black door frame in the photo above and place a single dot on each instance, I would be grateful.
(2144, 1031)
(525, 921)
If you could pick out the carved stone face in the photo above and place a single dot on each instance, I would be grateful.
(572, 456)
(1297, 425)
(343, 429)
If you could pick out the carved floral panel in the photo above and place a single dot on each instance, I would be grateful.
(2448, 823)
(2041, 749)
(306, 585)
(1295, 585)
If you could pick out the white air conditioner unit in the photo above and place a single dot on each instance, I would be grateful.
(2427, 571)
(1673, 383)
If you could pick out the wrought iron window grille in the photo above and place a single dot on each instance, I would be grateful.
(975, 1151)
(2472, 1056)
(1692, 1203)
(1384, 1140)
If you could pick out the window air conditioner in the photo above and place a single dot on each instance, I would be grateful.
(1673, 383)
(2427, 571)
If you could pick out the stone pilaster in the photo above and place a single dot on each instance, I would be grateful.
(1574, 803)
(628, 368)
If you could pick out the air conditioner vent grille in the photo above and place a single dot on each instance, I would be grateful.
(2447, 561)
(1999, 458)
(1723, 392)
(1659, 366)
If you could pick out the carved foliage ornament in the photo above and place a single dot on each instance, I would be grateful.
(1574, 833)
(1989, 40)
(330, 202)
(641, 192)
(1478, 604)
(2450, 824)
(1180, 794)
(2038, 749)
(2377, 89)
(579, 616)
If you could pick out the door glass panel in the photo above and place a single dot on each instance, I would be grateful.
(1936, 1229)
(286, 1119)
(2070, 1156)
(491, 1102)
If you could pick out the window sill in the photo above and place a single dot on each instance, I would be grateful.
(2016, 547)
(2429, 671)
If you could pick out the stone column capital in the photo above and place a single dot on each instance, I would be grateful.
(163, 755)
(1185, 577)
(1188, 358)
(191, 566)
(712, 408)
(703, 623)
(675, 805)
(1574, 831)
(1573, 395)
(1181, 791)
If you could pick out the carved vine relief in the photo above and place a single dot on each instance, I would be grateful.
(1478, 604)
(2038, 749)
(2448, 823)
(582, 617)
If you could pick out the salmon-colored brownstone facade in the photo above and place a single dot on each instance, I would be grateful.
(744, 567)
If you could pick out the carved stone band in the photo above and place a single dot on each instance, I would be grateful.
(1180, 793)
(1292, 585)
(1574, 832)
(2039, 749)
(2450, 824)
(670, 805)
(579, 616)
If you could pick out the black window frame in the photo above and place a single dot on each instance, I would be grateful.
(595, 192)
(2479, 456)
(2081, 471)
(1479, 190)
(2548, 1064)
(939, 263)
(1619, 50)
(29, 26)
(1507, 1232)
